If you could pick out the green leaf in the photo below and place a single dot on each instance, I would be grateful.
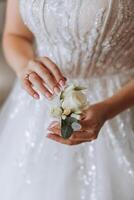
(78, 88)
(61, 95)
(66, 128)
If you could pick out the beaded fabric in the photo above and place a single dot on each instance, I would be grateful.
(103, 46)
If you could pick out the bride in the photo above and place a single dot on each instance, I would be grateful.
(48, 43)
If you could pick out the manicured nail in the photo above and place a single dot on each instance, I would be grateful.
(49, 135)
(48, 95)
(52, 125)
(36, 96)
(62, 83)
(56, 90)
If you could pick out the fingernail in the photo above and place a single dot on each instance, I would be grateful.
(48, 135)
(62, 83)
(56, 90)
(53, 124)
(48, 95)
(36, 96)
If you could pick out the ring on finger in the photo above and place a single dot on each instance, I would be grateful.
(27, 75)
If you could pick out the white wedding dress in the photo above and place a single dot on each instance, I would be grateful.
(92, 41)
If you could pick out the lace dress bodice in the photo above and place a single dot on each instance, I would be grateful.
(83, 37)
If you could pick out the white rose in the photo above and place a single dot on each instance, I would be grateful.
(56, 112)
(67, 112)
(71, 88)
(74, 100)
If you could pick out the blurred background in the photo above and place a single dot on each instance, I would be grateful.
(6, 74)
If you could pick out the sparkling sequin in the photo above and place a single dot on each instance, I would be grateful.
(99, 50)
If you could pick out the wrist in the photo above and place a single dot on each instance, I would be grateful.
(103, 107)
(106, 109)
(20, 71)
(112, 107)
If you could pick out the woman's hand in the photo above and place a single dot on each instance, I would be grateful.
(91, 121)
(44, 75)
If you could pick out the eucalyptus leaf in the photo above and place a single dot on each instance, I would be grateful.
(66, 127)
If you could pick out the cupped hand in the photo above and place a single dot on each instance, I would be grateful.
(91, 122)
(44, 75)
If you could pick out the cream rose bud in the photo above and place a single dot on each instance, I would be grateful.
(56, 112)
(75, 100)
(76, 116)
(63, 117)
(67, 112)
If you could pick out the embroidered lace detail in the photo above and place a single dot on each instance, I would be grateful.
(117, 47)
(83, 44)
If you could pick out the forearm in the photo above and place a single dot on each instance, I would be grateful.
(18, 51)
(120, 101)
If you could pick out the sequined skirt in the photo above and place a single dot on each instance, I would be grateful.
(32, 167)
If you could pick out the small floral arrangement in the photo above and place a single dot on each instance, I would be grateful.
(72, 102)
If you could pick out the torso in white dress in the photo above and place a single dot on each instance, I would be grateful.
(92, 41)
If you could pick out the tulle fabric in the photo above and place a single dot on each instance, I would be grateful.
(32, 167)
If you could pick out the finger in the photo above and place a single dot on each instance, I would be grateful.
(54, 70)
(56, 131)
(38, 83)
(28, 87)
(84, 123)
(56, 127)
(53, 124)
(46, 76)
(83, 136)
(62, 140)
